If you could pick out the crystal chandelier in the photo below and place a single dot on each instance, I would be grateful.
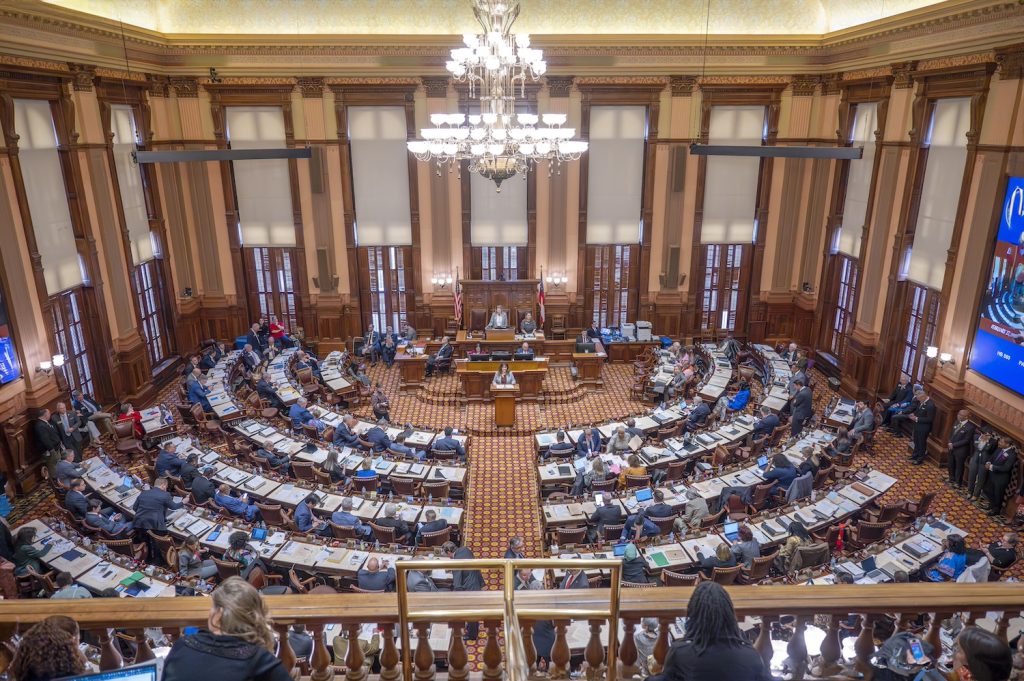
(498, 143)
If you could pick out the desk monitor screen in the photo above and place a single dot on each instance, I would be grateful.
(619, 550)
(523, 355)
(147, 671)
(644, 495)
(501, 356)
(731, 531)
(480, 357)
(762, 461)
(584, 347)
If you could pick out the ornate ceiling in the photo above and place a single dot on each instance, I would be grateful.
(447, 17)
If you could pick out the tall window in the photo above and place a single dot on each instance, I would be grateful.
(613, 268)
(149, 292)
(69, 332)
(274, 285)
(844, 295)
(723, 269)
(922, 317)
(499, 263)
(389, 298)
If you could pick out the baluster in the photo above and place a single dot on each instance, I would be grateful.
(284, 647)
(321, 659)
(1002, 624)
(110, 653)
(143, 652)
(796, 649)
(763, 644)
(423, 660)
(864, 647)
(660, 646)
(492, 653)
(560, 656)
(390, 661)
(627, 651)
(529, 650)
(458, 658)
(354, 659)
(831, 649)
(934, 627)
(594, 652)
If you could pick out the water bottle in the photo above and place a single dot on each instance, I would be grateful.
(943, 517)
(430, 498)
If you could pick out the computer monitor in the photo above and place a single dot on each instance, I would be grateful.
(501, 356)
(731, 530)
(762, 461)
(584, 347)
(146, 671)
(480, 357)
(523, 355)
(868, 564)
(619, 550)
(644, 494)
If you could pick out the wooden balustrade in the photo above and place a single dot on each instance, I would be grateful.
(798, 604)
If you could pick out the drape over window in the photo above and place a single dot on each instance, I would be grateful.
(730, 187)
(380, 175)
(263, 187)
(47, 195)
(129, 179)
(858, 183)
(940, 190)
(498, 218)
(615, 174)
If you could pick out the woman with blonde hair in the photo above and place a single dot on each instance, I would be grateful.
(238, 644)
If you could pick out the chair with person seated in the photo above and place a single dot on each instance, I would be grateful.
(309, 431)
(125, 442)
(276, 516)
(384, 535)
(665, 524)
(566, 536)
(343, 531)
(444, 455)
(438, 538)
(633, 481)
(997, 573)
(359, 590)
(322, 478)
(758, 570)
(258, 408)
(670, 578)
(604, 485)
(725, 576)
(638, 585)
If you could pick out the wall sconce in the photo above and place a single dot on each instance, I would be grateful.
(442, 280)
(47, 366)
(557, 279)
(931, 352)
(945, 358)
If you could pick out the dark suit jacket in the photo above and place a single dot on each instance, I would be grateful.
(803, 405)
(70, 437)
(1003, 462)
(378, 438)
(961, 438)
(700, 414)
(47, 435)
(434, 526)
(86, 406)
(579, 582)
(661, 510)
(925, 416)
(466, 580)
(594, 436)
(249, 361)
(401, 527)
(76, 503)
(376, 581)
(450, 444)
(207, 362)
(343, 436)
(606, 515)
(256, 341)
(202, 489)
(188, 473)
(766, 426)
(151, 509)
(901, 394)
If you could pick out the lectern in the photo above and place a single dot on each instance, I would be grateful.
(504, 404)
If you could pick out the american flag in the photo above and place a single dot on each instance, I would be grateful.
(540, 302)
(458, 300)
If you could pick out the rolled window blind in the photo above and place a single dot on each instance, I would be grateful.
(129, 179)
(940, 191)
(615, 174)
(263, 187)
(858, 183)
(498, 218)
(730, 185)
(47, 196)
(380, 175)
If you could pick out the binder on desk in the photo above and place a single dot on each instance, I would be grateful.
(659, 559)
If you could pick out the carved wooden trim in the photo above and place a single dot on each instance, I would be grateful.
(82, 76)
(682, 86)
(436, 87)
(903, 74)
(1011, 61)
(184, 87)
(805, 86)
(559, 86)
(311, 88)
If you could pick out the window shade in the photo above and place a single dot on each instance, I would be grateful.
(47, 196)
(940, 191)
(498, 218)
(730, 185)
(615, 174)
(263, 187)
(858, 183)
(129, 179)
(380, 175)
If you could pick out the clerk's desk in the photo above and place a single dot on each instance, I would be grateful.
(497, 340)
(476, 377)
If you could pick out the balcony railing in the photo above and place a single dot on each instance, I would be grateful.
(802, 603)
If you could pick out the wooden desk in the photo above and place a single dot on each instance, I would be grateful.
(506, 334)
(627, 351)
(588, 368)
(476, 377)
(464, 344)
(412, 369)
(505, 405)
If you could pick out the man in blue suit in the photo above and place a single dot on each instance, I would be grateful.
(561, 447)
(378, 437)
(765, 425)
(346, 518)
(299, 415)
(238, 507)
(198, 392)
(168, 461)
(399, 446)
(75, 499)
(152, 505)
(699, 414)
(306, 522)
(344, 436)
(112, 525)
(450, 444)
(589, 442)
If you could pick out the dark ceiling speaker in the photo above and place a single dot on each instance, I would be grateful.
(203, 155)
(842, 153)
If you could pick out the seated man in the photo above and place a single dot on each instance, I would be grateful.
(403, 534)
(371, 578)
(92, 412)
(189, 470)
(267, 392)
(279, 463)
(308, 523)
(75, 499)
(380, 404)
(250, 357)
(378, 437)
(863, 420)
(699, 413)
(450, 444)
(399, 446)
(371, 346)
(696, 510)
(345, 518)
(168, 461)
(524, 351)
(239, 507)
(561, 447)
(430, 523)
(499, 319)
(67, 470)
(637, 526)
(730, 347)
(675, 385)
(443, 353)
(113, 524)
(1002, 553)
(898, 400)
(307, 361)
(765, 425)
(388, 350)
(528, 326)
(344, 436)
(605, 514)
(589, 442)
(202, 488)
(632, 430)
(299, 415)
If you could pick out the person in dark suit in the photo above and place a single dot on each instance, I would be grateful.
(977, 468)
(251, 357)
(267, 392)
(168, 461)
(465, 580)
(443, 353)
(898, 400)
(961, 438)
(999, 470)
(574, 579)
(450, 444)
(198, 393)
(403, 534)
(699, 414)
(70, 427)
(659, 509)
(802, 409)
(208, 361)
(516, 548)
(593, 333)
(765, 425)
(235, 505)
(589, 442)
(51, 448)
(307, 522)
(66, 469)
(299, 415)
(256, 340)
(75, 500)
(371, 346)
(189, 470)
(92, 412)
(561, 447)
(372, 578)
(113, 524)
(604, 514)
(202, 488)
(378, 437)
(923, 418)
(152, 505)
(430, 523)
(343, 434)
(792, 354)
(301, 642)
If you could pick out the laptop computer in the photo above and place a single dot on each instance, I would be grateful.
(731, 531)
(147, 671)
(620, 550)
(762, 461)
(644, 494)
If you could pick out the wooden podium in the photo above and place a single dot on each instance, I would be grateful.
(411, 370)
(506, 334)
(505, 404)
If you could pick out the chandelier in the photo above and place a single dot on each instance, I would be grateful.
(499, 142)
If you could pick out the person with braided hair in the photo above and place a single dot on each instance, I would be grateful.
(49, 650)
(713, 647)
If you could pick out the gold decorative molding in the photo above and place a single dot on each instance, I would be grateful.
(859, 74)
(435, 87)
(559, 86)
(83, 76)
(156, 85)
(120, 74)
(830, 83)
(805, 86)
(903, 74)
(938, 63)
(621, 80)
(246, 80)
(744, 80)
(311, 88)
(682, 86)
(373, 80)
(34, 64)
(1011, 61)
(184, 87)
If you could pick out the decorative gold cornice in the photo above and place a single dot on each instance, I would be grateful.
(584, 81)
(156, 85)
(120, 74)
(184, 87)
(34, 64)
(1011, 61)
(830, 83)
(559, 86)
(311, 88)
(435, 87)
(744, 80)
(860, 74)
(373, 80)
(903, 74)
(275, 81)
(682, 86)
(83, 76)
(938, 63)
(805, 86)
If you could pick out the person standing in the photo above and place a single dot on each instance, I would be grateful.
(999, 470)
(960, 440)
(70, 427)
(380, 404)
(977, 469)
(923, 418)
(465, 580)
(803, 407)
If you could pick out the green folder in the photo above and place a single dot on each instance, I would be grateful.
(659, 559)
(132, 578)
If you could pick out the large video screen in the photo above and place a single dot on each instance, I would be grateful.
(9, 367)
(998, 351)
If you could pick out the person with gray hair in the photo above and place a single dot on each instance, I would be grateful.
(695, 510)
(645, 638)
(403, 534)
(618, 442)
(699, 413)
(923, 417)
(346, 518)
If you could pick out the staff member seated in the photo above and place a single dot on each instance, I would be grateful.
(499, 319)
(443, 353)
(782, 473)
(450, 444)
(528, 326)
(524, 352)
(503, 376)
(239, 507)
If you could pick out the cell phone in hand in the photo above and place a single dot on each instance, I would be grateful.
(917, 651)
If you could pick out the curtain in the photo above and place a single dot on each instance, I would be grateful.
(380, 175)
(730, 185)
(615, 177)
